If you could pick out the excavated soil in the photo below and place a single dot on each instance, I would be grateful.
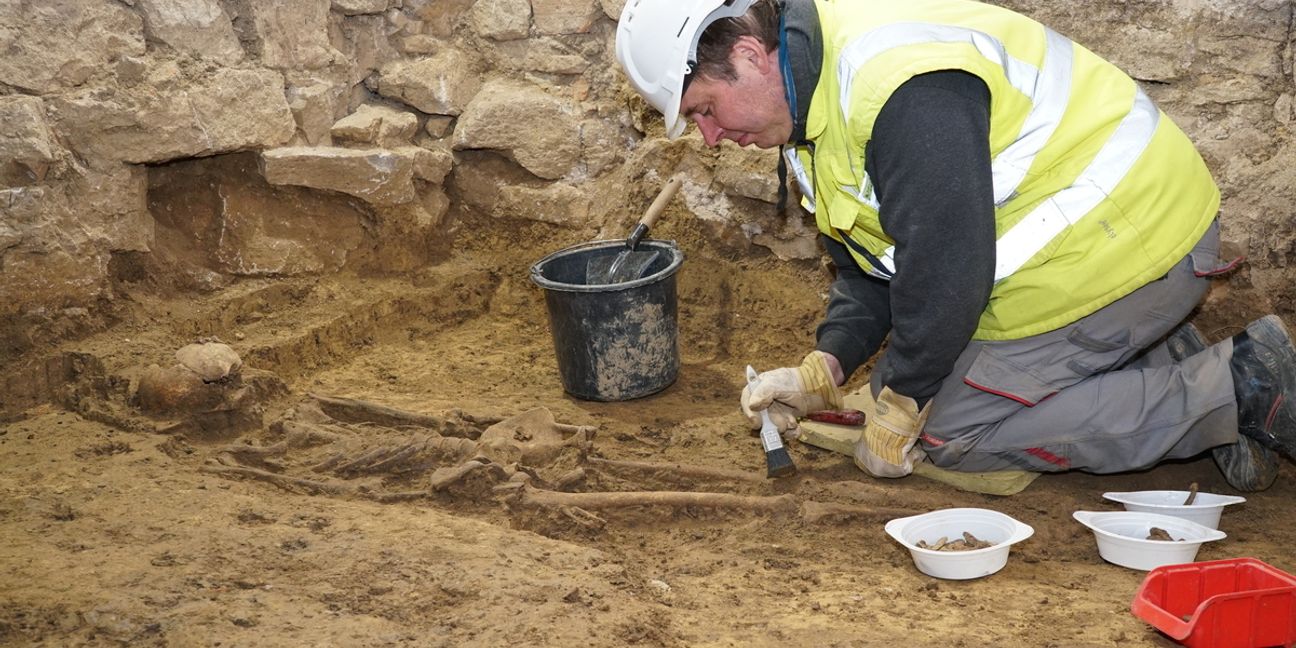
(113, 532)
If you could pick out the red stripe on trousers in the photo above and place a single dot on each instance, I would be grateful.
(1049, 457)
(1019, 399)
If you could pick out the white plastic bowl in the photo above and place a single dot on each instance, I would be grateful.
(1122, 538)
(1205, 509)
(992, 526)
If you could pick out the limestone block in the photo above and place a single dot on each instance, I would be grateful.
(565, 16)
(375, 175)
(257, 244)
(93, 208)
(290, 33)
(108, 206)
(48, 255)
(1243, 53)
(440, 18)
(1232, 89)
(612, 8)
(357, 96)
(757, 184)
(1171, 41)
(55, 44)
(441, 84)
(485, 187)
(1285, 109)
(502, 20)
(603, 146)
(56, 240)
(223, 111)
(430, 165)
(9, 235)
(541, 55)
(398, 127)
(706, 205)
(793, 241)
(130, 70)
(438, 125)
(412, 28)
(364, 46)
(219, 214)
(436, 205)
(1163, 53)
(397, 21)
(419, 45)
(36, 278)
(360, 127)
(26, 145)
(540, 131)
(200, 27)
(379, 125)
(557, 203)
(358, 7)
(22, 207)
(312, 107)
(478, 178)
(749, 173)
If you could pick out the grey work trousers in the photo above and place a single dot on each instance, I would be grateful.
(1097, 395)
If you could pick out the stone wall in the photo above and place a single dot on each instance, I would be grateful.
(206, 140)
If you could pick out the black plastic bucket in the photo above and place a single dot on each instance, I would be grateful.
(614, 342)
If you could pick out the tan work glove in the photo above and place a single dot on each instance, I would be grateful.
(791, 392)
(889, 445)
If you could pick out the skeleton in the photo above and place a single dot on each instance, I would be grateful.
(352, 448)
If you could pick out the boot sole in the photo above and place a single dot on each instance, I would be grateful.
(1270, 334)
(1247, 465)
(1185, 342)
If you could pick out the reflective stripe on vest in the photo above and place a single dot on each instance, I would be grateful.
(885, 262)
(887, 258)
(802, 178)
(1049, 92)
(1099, 179)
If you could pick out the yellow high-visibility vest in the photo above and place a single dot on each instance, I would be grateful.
(1096, 191)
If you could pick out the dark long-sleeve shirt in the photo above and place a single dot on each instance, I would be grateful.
(929, 160)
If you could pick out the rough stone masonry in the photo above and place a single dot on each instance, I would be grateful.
(279, 117)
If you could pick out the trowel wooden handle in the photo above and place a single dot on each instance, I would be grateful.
(654, 210)
(659, 204)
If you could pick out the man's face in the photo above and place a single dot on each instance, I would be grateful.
(749, 110)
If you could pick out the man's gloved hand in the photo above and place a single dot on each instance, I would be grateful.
(889, 445)
(792, 392)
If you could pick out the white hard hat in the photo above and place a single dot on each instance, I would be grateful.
(656, 43)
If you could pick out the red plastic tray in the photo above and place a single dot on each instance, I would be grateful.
(1235, 603)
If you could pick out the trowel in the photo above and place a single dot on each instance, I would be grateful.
(630, 264)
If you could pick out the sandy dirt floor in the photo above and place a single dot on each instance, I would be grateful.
(317, 526)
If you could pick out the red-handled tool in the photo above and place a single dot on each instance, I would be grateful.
(838, 417)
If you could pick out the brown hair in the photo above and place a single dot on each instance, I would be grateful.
(761, 21)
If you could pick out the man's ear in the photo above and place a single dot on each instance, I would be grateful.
(749, 49)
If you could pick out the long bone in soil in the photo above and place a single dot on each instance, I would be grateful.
(352, 448)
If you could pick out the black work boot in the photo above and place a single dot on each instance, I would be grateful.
(1247, 465)
(1184, 342)
(1264, 380)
